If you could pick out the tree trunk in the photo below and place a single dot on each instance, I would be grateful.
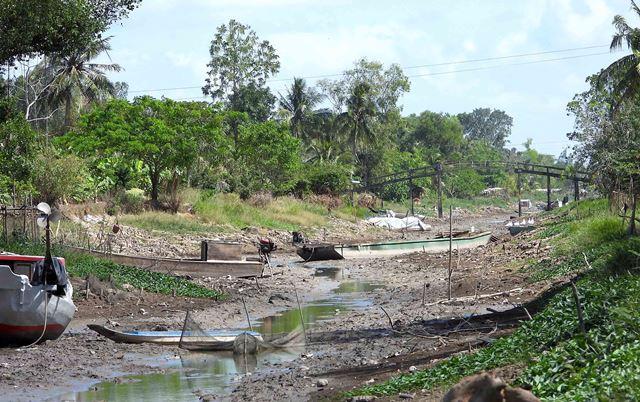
(154, 175)
(67, 111)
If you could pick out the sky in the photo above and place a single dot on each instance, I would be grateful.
(164, 44)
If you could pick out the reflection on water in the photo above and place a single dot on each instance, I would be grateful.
(217, 372)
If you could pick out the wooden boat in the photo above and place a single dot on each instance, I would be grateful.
(318, 252)
(514, 230)
(208, 340)
(35, 299)
(461, 240)
(196, 268)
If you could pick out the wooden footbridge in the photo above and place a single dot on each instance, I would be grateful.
(519, 168)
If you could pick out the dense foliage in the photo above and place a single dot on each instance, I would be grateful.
(309, 140)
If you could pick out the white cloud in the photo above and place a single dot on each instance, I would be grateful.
(469, 46)
(512, 41)
(589, 25)
(197, 64)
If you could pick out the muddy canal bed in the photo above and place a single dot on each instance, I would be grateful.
(189, 376)
(350, 338)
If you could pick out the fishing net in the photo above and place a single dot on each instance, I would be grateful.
(194, 337)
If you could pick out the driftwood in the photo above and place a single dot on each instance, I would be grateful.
(472, 298)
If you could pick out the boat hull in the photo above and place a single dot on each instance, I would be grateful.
(318, 252)
(211, 340)
(403, 247)
(22, 315)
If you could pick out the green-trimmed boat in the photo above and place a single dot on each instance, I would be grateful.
(319, 252)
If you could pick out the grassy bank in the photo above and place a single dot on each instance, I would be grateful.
(219, 213)
(561, 363)
(82, 266)
(227, 212)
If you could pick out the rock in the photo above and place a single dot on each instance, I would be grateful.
(160, 328)
(304, 368)
(143, 311)
(406, 396)
(322, 382)
(278, 296)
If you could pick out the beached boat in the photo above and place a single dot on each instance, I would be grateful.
(35, 299)
(434, 245)
(318, 252)
(205, 340)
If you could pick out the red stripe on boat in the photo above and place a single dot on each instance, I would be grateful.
(4, 328)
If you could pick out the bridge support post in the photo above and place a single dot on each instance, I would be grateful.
(548, 191)
(411, 195)
(519, 196)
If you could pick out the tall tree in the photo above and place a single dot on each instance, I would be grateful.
(164, 134)
(75, 80)
(439, 133)
(623, 75)
(36, 27)
(386, 86)
(299, 102)
(491, 125)
(238, 71)
(359, 118)
(238, 60)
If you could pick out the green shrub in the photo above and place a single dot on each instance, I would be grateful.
(132, 201)
(322, 178)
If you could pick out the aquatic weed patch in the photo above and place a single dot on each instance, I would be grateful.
(81, 266)
(548, 334)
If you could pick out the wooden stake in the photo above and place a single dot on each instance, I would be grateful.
(246, 312)
(87, 289)
(304, 331)
(424, 294)
(450, 246)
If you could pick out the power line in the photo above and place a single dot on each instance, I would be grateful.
(508, 65)
(466, 69)
(417, 66)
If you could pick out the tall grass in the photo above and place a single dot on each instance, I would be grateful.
(281, 213)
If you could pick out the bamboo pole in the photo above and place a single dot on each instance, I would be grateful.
(246, 312)
(304, 331)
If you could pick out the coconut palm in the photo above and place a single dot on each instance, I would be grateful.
(74, 80)
(359, 117)
(298, 103)
(622, 77)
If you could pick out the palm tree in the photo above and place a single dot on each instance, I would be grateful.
(359, 117)
(75, 81)
(299, 102)
(623, 75)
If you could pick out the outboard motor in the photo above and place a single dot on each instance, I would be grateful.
(266, 246)
(298, 238)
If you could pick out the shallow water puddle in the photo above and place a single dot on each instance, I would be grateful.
(217, 372)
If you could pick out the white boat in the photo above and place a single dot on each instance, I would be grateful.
(35, 299)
